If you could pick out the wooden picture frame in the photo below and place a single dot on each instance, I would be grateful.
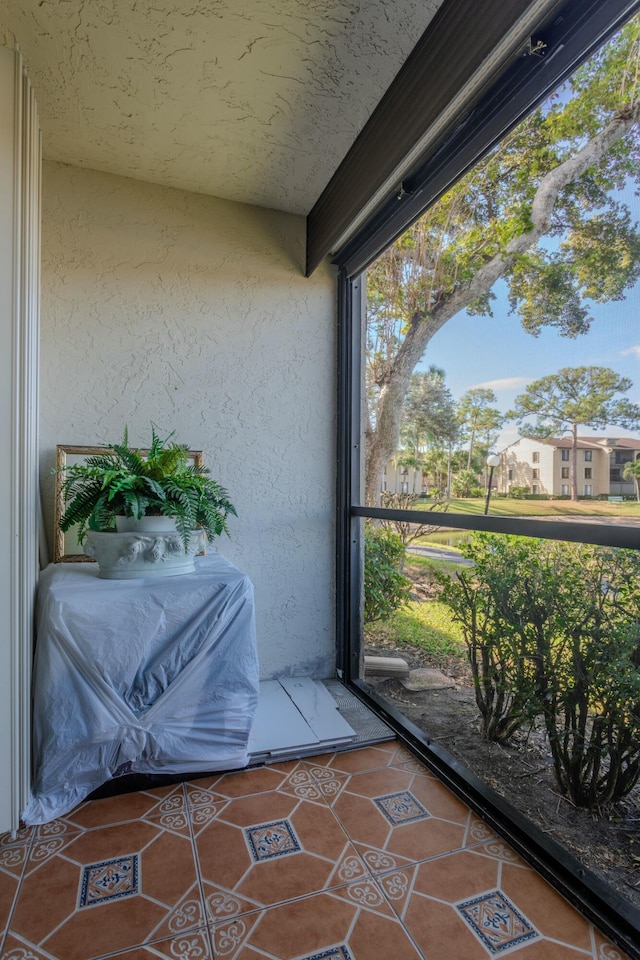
(66, 548)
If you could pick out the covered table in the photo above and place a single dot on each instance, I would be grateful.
(144, 676)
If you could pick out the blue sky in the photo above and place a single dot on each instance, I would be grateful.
(495, 352)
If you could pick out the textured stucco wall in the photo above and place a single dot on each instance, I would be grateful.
(252, 100)
(192, 312)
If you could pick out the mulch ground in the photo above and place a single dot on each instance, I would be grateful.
(522, 772)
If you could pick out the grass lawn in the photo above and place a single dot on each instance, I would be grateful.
(447, 540)
(427, 626)
(509, 507)
(416, 565)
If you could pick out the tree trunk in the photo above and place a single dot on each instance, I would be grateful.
(471, 442)
(382, 439)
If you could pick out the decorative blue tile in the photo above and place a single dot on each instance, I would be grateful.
(401, 808)
(334, 953)
(269, 840)
(109, 880)
(496, 922)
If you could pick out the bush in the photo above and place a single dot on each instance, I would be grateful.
(519, 493)
(589, 681)
(553, 631)
(465, 484)
(407, 530)
(385, 588)
(479, 598)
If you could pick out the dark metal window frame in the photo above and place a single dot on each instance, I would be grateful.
(594, 898)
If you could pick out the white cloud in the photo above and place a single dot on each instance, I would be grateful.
(505, 383)
(634, 350)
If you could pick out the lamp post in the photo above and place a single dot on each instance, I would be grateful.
(493, 461)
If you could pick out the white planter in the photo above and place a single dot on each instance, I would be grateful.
(126, 556)
(146, 525)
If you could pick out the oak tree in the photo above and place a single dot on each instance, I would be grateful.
(543, 211)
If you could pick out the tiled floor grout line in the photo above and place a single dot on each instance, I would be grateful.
(399, 764)
(337, 887)
(149, 943)
(409, 936)
(409, 894)
(513, 952)
(41, 950)
(369, 876)
(196, 860)
(368, 872)
(282, 903)
(465, 845)
(413, 864)
(159, 939)
(397, 915)
(29, 843)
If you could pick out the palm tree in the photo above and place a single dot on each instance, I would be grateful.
(632, 472)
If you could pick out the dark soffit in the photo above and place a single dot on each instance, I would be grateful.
(572, 33)
(459, 39)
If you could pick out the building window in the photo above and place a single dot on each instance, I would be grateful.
(565, 454)
(588, 455)
(535, 457)
(536, 474)
(534, 488)
(510, 476)
(565, 489)
(565, 473)
(587, 473)
(587, 489)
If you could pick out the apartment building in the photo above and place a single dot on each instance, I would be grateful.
(545, 466)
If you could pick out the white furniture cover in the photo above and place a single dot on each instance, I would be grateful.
(145, 676)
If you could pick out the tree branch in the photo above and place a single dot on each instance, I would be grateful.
(426, 322)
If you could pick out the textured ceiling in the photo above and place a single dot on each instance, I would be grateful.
(252, 100)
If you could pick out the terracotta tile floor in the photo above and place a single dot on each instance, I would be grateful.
(351, 856)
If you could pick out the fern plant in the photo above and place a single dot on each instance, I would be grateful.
(127, 483)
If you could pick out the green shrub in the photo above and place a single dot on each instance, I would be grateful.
(553, 631)
(480, 598)
(519, 493)
(465, 484)
(385, 588)
(589, 682)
